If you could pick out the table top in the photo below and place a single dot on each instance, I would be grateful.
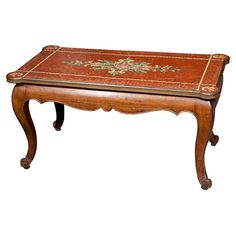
(194, 75)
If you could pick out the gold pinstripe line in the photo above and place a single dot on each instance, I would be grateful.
(134, 55)
(204, 72)
(105, 77)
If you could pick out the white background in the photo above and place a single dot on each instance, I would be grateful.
(110, 173)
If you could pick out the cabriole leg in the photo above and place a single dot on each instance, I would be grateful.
(21, 109)
(204, 115)
(57, 124)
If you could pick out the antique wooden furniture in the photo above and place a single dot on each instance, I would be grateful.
(127, 81)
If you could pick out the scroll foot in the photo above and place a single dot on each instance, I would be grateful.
(206, 184)
(56, 126)
(25, 163)
(214, 139)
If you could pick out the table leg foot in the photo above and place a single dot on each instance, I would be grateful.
(57, 124)
(214, 139)
(206, 184)
(25, 163)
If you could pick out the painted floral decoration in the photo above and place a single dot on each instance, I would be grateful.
(121, 66)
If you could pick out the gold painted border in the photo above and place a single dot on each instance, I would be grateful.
(105, 77)
(135, 55)
(41, 62)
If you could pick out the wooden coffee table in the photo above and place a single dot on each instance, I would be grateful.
(127, 81)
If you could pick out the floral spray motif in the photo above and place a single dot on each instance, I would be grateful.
(121, 66)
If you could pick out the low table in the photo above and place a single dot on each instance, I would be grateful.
(126, 81)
